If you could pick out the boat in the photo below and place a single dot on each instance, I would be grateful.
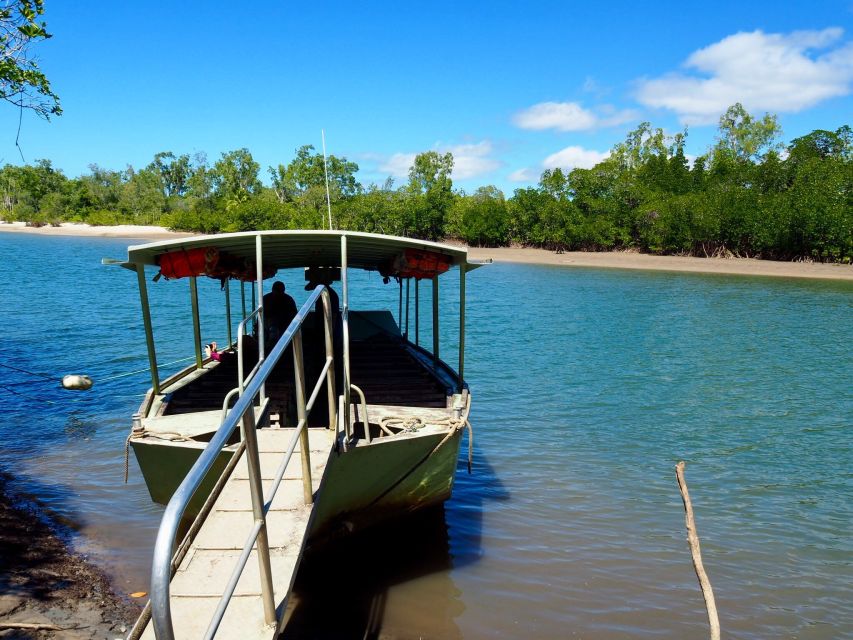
(394, 413)
(217, 442)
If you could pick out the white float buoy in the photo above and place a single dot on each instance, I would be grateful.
(77, 382)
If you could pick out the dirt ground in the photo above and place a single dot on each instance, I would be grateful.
(43, 583)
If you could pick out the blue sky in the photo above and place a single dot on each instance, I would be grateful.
(510, 88)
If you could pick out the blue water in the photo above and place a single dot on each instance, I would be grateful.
(588, 386)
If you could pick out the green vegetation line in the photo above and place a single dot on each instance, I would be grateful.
(747, 196)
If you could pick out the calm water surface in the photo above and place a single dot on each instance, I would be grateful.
(589, 385)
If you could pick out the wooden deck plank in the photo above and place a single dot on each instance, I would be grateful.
(244, 619)
(230, 529)
(201, 578)
(215, 568)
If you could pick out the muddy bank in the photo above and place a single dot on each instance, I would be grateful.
(43, 583)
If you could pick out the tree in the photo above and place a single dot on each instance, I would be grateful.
(307, 170)
(235, 175)
(640, 145)
(481, 219)
(174, 172)
(104, 187)
(21, 81)
(555, 183)
(744, 137)
(822, 144)
(379, 209)
(141, 197)
(432, 193)
(200, 181)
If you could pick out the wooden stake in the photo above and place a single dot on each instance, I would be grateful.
(32, 626)
(693, 540)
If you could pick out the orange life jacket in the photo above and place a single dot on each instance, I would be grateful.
(209, 261)
(188, 262)
(419, 264)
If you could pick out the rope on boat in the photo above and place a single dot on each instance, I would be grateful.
(417, 423)
(31, 373)
(412, 424)
(53, 378)
(159, 364)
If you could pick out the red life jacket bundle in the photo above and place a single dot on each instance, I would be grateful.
(210, 262)
(188, 262)
(417, 263)
(244, 269)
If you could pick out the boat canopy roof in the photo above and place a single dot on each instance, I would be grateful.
(292, 249)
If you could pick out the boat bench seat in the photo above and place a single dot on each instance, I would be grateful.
(193, 426)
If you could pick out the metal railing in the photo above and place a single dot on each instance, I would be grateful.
(244, 412)
(241, 333)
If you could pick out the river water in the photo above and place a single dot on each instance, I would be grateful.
(588, 386)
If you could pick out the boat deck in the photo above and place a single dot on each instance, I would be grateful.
(204, 572)
(382, 367)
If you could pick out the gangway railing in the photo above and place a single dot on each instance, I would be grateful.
(241, 333)
(243, 413)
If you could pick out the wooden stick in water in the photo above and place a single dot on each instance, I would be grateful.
(693, 540)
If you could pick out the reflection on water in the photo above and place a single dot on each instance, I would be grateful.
(343, 589)
(397, 580)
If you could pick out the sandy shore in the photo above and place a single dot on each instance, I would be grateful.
(605, 259)
(632, 260)
(77, 229)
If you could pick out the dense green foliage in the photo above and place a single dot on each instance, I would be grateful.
(748, 196)
(21, 81)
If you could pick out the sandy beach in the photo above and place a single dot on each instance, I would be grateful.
(603, 259)
(148, 232)
(634, 260)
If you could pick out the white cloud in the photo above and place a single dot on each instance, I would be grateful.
(524, 175)
(563, 116)
(763, 71)
(472, 160)
(574, 158)
(469, 160)
(398, 164)
(569, 116)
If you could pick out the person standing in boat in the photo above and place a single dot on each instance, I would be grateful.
(279, 311)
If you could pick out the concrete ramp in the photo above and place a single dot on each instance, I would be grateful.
(205, 571)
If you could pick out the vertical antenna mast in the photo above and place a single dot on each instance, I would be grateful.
(326, 171)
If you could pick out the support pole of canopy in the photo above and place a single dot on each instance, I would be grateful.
(400, 307)
(243, 297)
(345, 321)
(435, 319)
(254, 306)
(461, 326)
(260, 320)
(417, 311)
(149, 331)
(196, 322)
(228, 308)
(408, 283)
